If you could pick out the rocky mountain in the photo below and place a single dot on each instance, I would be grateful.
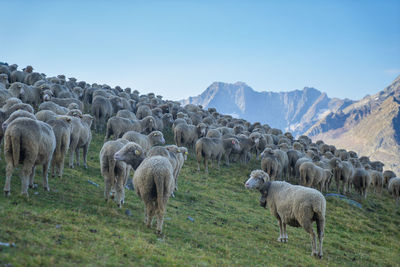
(294, 111)
(370, 127)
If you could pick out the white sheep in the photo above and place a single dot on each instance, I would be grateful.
(293, 205)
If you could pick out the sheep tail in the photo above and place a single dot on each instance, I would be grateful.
(161, 192)
(15, 140)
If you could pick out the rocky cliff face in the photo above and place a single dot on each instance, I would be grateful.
(294, 111)
(370, 127)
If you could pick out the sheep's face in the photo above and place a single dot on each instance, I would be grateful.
(157, 137)
(131, 153)
(257, 179)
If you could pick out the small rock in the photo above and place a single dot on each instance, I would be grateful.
(190, 219)
(167, 218)
(128, 212)
(93, 230)
(36, 193)
(58, 226)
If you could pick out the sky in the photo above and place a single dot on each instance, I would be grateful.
(178, 48)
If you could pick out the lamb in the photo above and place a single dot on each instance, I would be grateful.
(343, 172)
(181, 155)
(145, 141)
(361, 181)
(115, 172)
(62, 131)
(32, 143)
(118, 126)
(214, 148)
(394, 188)
(387, 175)
(294, 205)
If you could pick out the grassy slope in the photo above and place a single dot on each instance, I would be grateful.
(72, 224)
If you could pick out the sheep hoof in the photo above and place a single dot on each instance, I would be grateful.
(46, 188)
(85, 166)
(319, 256)
(7, 193)
(158, 232)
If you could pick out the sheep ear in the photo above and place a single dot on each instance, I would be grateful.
(186, 153)
(137, 152)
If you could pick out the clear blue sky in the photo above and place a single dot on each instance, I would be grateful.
(178, 48)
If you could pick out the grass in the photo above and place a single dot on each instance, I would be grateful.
(213, 220)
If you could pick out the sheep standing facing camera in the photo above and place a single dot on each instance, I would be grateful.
(295, 205)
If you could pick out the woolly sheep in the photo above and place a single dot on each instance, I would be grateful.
(30, 142)
(154, 183)
(294, 205)
(361, 181)
(118, 126)
(394, 188)
(387, 175)
(145, 141)
(115, 172)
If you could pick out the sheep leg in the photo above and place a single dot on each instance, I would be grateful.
(45, 176)
(9, 172)
(320, 232)
(71, 156)
(120, 193)
(61, 167)
(85, 150)
(281, 234)
(198, 164)
(77, 157)
(107, 189)
(285, 236)
(206, 164)
(160, 220)
(308, 227)
(149, 214)
(31, 177)
(219, 161)
(25, 173)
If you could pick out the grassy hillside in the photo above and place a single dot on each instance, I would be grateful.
(213, 220)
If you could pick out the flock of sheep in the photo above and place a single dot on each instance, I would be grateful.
(136, 123)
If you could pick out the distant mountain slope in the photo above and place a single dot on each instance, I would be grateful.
(295, 110)
(370, 127)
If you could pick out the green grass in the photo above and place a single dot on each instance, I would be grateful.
(72, 224)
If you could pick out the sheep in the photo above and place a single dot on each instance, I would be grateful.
(213, 133)
(342, 172)
(28, 94)
(49, 105)
(115, 172)
(143, 111)
(294, 205)
(187, 135)
(46, 115)
(214, 148)
(387, 175)
(313, 175)
(167, 121)
(145, 141)
(154, 183)
(376, 178)
(118, 126)
(126, 114)
(293, 156)
(102, 110)
(64, 102)
(394, 188)
(181, 155)
(20, 106)
(377, 166)
(361, 181)
(30, 142)
(15, 115)
(62, 131)
(81, 136)
(271, 164)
